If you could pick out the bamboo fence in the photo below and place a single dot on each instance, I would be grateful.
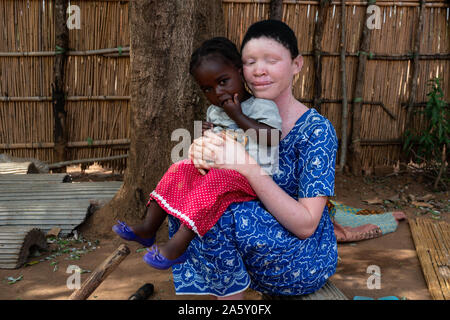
(96, 75)
(96, 81)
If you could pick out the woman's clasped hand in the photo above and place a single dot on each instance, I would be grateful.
(219, 151)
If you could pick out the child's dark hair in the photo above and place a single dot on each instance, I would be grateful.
(273, 29)
(219, 47)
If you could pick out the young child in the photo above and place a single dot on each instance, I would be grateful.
(199, 199)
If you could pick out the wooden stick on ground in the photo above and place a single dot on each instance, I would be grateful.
(100, 274)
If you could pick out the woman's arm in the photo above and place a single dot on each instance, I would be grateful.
(301, 217)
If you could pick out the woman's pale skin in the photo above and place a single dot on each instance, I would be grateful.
(269, 70)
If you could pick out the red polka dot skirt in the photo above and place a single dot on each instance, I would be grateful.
(199, 200)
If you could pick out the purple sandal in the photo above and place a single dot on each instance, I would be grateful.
(156, 260)
(124, 231)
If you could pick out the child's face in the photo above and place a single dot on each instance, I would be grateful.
(219, 81)
(269, 68)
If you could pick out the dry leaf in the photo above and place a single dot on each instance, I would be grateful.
(394, 198)
(374, 201)
(421, 204)
(426, 197)
(54, 232)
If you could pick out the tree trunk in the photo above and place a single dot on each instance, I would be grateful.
(164, 97)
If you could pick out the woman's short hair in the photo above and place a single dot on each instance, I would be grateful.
(275, 30)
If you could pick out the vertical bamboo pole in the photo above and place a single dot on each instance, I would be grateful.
(318, 35)
(358, 95)
(415, 64)
(276, 9)
(344, 121)
(58, 97)
(41, 84)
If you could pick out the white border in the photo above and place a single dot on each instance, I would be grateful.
(212, 294)
(176, 212)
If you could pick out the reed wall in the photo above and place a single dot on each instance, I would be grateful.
(97, 75)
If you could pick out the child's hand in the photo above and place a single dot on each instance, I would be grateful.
(206, 126)
(232, 107)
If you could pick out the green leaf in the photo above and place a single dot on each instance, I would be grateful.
(12, 280)
(429, 140)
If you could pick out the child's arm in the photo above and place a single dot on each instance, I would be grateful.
(234, 111)
(206, 126)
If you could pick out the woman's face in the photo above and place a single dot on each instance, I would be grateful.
(269, 68)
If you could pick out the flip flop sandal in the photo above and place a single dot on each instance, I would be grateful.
(124, 231)
(156, 260)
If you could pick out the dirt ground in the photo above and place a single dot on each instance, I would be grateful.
(394, 253)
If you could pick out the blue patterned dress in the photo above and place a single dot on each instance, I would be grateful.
(248, 247)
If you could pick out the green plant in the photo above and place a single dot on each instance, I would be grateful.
(430, 145)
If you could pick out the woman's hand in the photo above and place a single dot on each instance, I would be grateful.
(220, 152)
(196, 155)
(194, 150)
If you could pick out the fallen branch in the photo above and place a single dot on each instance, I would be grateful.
(100, 274)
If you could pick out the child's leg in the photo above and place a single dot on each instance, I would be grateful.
(178, 244)
(153, 219)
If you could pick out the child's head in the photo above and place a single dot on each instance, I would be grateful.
(217, 67)
(275, 30)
